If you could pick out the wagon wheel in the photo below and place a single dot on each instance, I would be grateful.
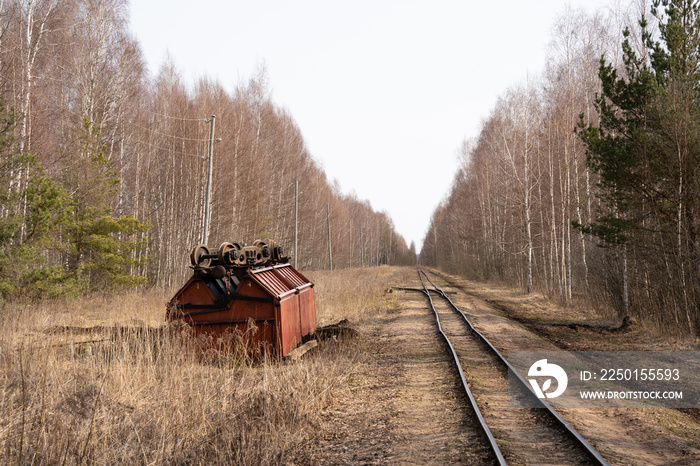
(271, 250)
(224, 256)
(196, 256)
(263, 252)
(218, 272)
(278, 253)
(236, 255)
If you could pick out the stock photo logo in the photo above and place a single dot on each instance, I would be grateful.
(541, 369)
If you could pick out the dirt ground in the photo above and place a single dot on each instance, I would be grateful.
(404, 406)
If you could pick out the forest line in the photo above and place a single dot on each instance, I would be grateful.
(584, 181)
(104, 169)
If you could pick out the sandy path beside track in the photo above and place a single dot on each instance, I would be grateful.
(404, 405)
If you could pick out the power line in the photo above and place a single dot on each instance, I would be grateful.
(170, 117)
(166, 149)
(171, 136)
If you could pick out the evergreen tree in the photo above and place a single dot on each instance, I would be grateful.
(33, 206)
(54, 243)
(100, 245)
(646, 151)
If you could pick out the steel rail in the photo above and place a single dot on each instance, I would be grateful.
(592, 453)
(485, 428)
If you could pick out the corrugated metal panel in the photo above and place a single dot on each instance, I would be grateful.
(271, 282)
(293, 278)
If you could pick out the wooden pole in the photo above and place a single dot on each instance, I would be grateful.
(207, 204)
(296, 222)
(330, 251)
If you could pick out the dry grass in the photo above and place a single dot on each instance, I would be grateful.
(353, 293)
(139, 395)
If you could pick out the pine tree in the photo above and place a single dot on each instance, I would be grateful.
(100, 245)
(32, 209)
(646, 152)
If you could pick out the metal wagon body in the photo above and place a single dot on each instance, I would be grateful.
(269, 307)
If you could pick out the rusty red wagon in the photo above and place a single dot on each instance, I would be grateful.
(246, 295)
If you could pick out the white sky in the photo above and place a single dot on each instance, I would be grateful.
(384, 92)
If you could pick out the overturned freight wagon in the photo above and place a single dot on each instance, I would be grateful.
(237, 287)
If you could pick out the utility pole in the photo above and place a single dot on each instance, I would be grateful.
(296, 223)
(330, 252)
(207, 204)
(349, 243)
(362, 250)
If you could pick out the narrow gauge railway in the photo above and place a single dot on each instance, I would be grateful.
(514, 433)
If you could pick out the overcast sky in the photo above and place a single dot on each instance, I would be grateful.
(384, 92)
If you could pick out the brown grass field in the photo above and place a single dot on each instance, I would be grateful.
(98, 380)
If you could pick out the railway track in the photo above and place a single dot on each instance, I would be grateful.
(517, 434)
